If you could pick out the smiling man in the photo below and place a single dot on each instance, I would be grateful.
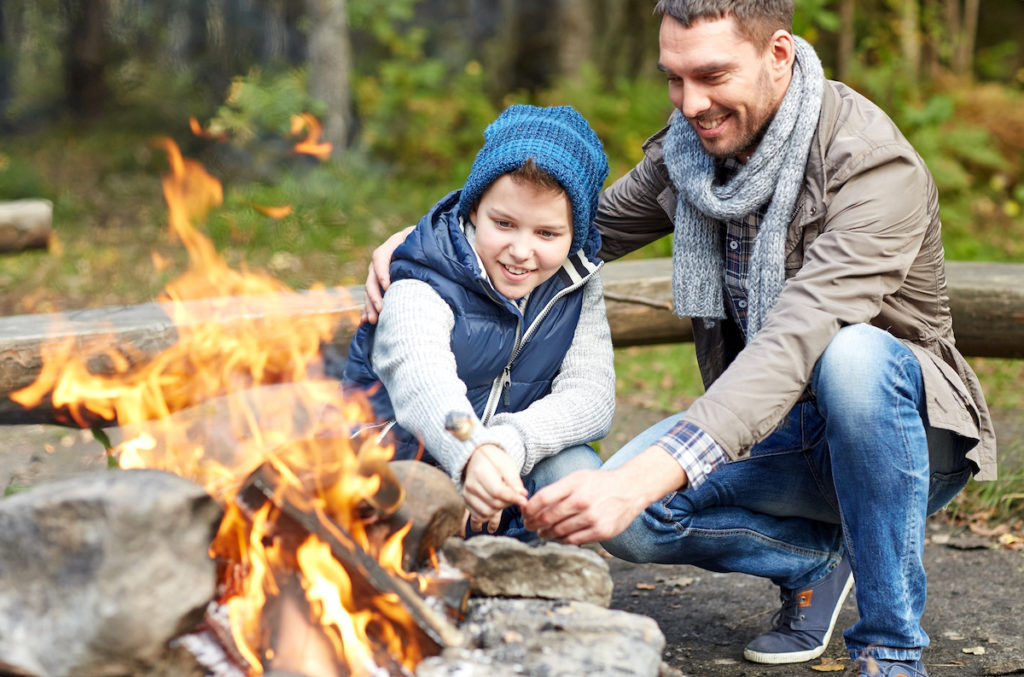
(838, 412)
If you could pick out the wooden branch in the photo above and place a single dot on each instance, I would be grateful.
(25, 224)
(368, 577)
(987, 301)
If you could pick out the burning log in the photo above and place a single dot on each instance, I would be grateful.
(435, 510)
(370, 581)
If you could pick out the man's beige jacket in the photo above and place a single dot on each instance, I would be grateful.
(864, 246)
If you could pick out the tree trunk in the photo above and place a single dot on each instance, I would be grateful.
(847, 39)
(6, 65)
(85, 57)
(964, 55)
(577, 31)
(330, 60)
(910, 40)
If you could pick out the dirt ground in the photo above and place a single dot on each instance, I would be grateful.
(975, 612)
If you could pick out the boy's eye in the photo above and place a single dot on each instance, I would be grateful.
(547, 234)
(503, 224)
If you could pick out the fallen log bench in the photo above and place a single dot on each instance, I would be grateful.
(987, 301)
(25, 224)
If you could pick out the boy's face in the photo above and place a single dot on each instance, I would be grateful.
(523, 234)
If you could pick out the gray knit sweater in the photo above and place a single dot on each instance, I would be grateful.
(413, 358)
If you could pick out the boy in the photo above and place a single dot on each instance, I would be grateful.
(496, 311)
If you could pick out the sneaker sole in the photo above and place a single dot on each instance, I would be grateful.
(808, 654)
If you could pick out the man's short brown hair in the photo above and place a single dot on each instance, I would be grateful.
(756, 20)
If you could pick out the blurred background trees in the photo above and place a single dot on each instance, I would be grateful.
(404, 89)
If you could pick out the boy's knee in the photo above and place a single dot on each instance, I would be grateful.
(569, 460)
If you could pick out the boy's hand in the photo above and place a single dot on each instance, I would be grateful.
(492, 483)
(378, 278)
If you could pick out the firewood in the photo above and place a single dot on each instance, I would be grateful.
(366, 574)
(25, 224)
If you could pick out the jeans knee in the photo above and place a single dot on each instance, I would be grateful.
(569, 460)
(860, 366)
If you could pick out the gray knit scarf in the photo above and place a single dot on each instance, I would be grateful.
(774, 173)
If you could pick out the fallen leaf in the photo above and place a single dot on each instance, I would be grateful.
(974, 650)
(829, 665)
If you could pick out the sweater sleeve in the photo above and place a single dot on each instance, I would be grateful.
(412, 356)
(581, 403)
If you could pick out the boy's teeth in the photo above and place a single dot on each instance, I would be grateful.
(516, 271)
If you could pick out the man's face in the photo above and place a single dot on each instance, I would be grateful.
(523, 234)
(725, 87)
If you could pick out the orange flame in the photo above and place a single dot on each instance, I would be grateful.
(223, 401)
(310, 145)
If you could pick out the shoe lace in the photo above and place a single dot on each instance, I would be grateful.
(787, 613)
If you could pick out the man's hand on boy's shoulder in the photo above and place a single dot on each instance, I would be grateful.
(378, 277)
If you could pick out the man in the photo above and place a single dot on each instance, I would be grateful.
(838, 413)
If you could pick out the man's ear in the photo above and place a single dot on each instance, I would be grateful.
(782, 53)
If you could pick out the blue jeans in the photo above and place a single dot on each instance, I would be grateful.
(855, 469)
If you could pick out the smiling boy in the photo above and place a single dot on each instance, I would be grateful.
(496, 310)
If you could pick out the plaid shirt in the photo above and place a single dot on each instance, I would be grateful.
(695, 450)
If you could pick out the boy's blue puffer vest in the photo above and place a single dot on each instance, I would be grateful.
(487, 324)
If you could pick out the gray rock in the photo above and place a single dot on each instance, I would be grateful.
(99, 572)
(551, 639)
(505, 567)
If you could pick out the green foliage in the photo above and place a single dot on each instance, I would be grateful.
(813, 16)
(19, 179)
(423, 119)
(261, 104)
(623, 113)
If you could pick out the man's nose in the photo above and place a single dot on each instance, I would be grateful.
(695, 101)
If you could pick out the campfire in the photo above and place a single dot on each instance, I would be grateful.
(309, 578)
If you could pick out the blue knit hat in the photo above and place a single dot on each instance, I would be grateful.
(560, 142)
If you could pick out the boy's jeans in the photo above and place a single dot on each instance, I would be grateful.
(853, 468)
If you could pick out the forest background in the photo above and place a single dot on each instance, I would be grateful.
(404, 89)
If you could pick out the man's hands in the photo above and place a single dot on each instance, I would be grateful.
(492, 483)
(595, 505)
(586, 506)
(378, 278)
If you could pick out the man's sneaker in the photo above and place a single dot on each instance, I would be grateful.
(874, 667)
(803, 626)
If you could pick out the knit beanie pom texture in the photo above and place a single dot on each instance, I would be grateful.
(560, 142)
